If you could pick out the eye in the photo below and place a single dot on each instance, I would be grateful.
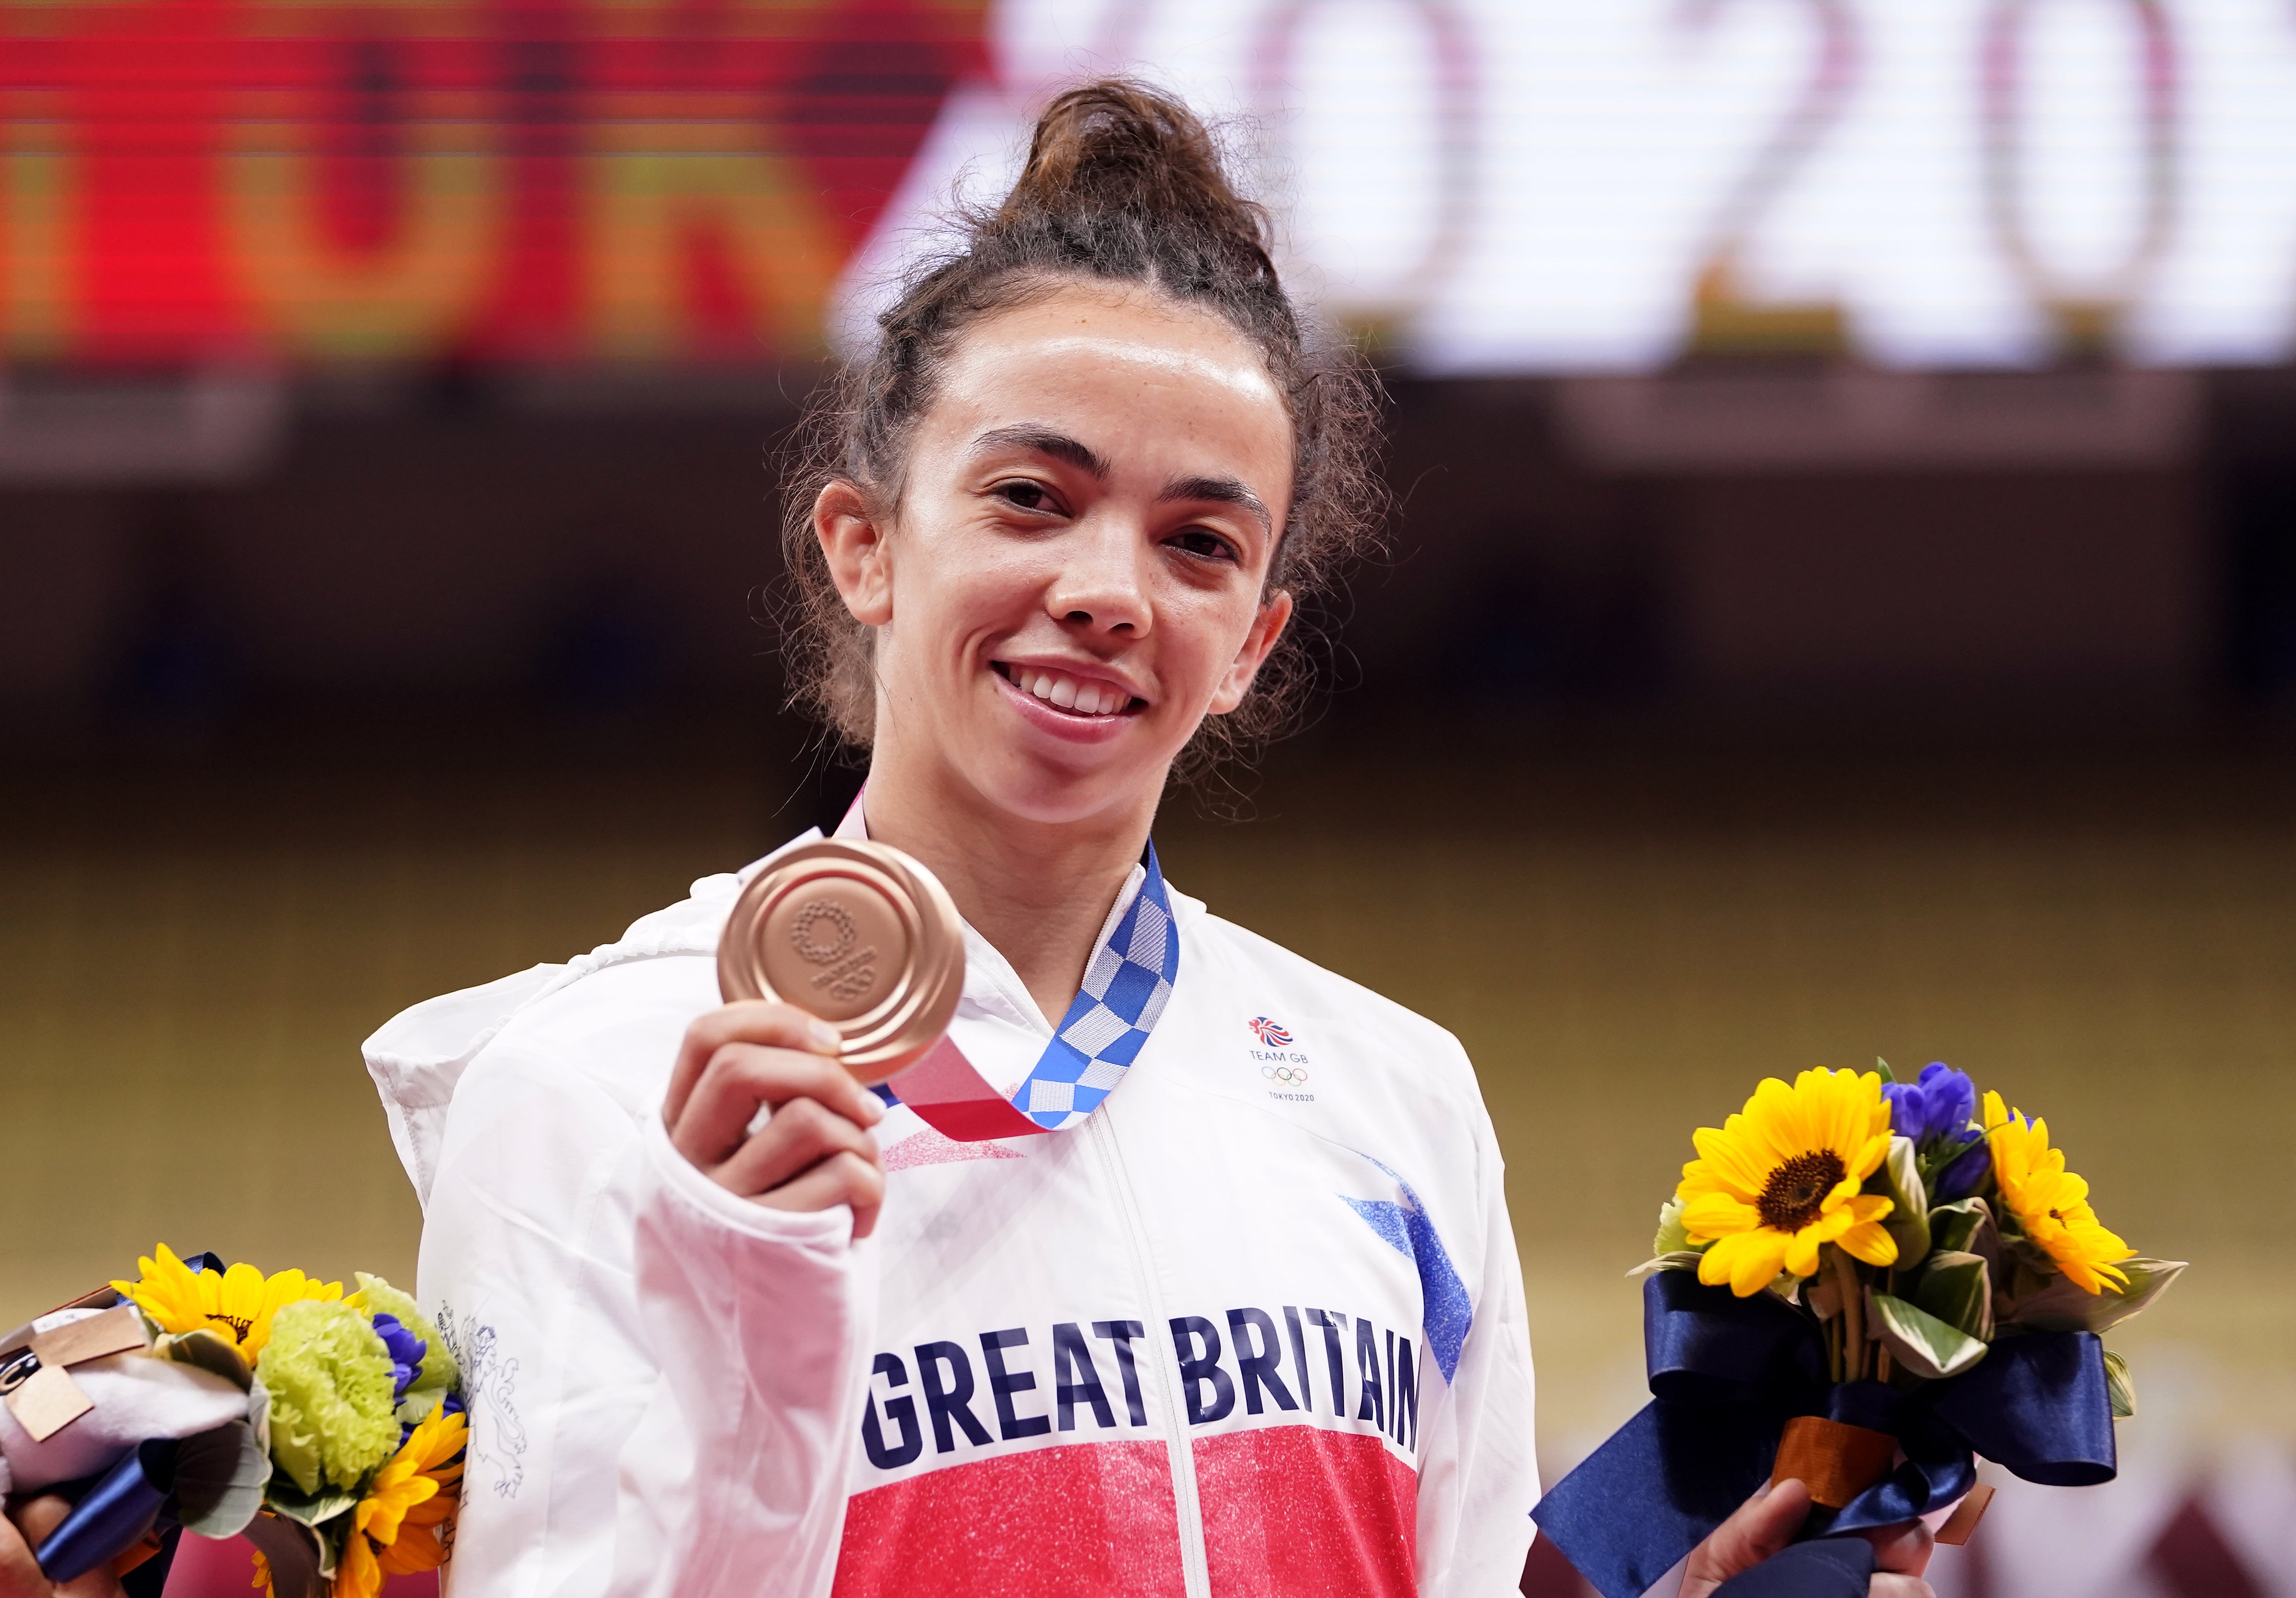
(1204, 543)
(1026, 493)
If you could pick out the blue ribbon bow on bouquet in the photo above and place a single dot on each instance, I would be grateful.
(1725, 1375)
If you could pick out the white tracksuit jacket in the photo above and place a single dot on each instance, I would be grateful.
(1255, 1328)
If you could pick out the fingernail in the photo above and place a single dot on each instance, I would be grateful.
(824, 1035)
(875, 1107)
(1765, 1490)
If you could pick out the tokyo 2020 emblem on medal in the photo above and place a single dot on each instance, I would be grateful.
(858, 934)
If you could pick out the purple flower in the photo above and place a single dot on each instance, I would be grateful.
(1936, 1109)
(407, 1352)
(1964, 1174)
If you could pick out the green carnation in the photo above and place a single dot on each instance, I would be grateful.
(439, 1373)
(330, 1380)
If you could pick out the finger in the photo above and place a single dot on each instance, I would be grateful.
(741, 1077)
(738, 1079)
(19, 1572)
(800, 1136)
(98, 1582)
(1899, 1586)
(745, 1020)
(1763, 1525)
(40, 1517)
(844, 1178)
(1902, 1550)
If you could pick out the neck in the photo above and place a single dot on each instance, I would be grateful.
(1039, 891)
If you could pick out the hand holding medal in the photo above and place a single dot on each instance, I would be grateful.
(840, 964)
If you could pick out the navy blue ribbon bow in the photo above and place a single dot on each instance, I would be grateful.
(113, 1512)
(1725, 1375)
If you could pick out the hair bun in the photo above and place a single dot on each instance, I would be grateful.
(1117, 145)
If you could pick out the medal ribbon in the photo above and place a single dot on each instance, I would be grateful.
(1125, 990)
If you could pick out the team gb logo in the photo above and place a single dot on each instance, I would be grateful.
(1284, 1066)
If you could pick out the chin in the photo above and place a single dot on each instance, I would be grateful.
(1032, 787)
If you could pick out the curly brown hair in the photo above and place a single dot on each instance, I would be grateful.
(1123, 185)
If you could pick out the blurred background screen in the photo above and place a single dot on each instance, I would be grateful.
(1530, 185)
(1842, 600)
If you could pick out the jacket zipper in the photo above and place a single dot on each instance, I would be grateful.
(1195, 1575)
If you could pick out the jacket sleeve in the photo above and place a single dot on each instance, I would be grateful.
(661, 1377)
(1479, 1475)
(734, 1481)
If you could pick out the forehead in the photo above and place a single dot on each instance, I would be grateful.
(1149, 380)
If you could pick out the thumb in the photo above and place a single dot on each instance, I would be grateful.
(1763, 1525)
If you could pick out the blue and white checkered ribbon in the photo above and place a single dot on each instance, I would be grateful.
(1108, 1022)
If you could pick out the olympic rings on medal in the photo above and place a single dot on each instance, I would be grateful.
(1291, 1076)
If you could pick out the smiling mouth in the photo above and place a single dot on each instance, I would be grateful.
(1073, 696)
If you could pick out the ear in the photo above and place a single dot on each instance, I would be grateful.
(860, 560)
(1267, 627)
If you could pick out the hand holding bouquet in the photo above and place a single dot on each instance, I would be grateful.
(1860, 1284)
(325, 1429)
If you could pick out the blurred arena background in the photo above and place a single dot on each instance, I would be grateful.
(1843, 600)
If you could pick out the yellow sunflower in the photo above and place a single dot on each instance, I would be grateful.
(1781, 1179)
(237, 1303)
(395, 1527)
(2049, 1201)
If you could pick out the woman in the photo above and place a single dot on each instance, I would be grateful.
(1230, 1333)
(732, 1324)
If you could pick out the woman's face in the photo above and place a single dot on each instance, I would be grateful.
(1075, 575)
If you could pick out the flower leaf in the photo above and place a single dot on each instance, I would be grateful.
(210, 1352)
(1908, 1220)
(1673, 1237)
(1965, 1227)
(2059, 1304)
(1679, 1259)
(219, 1479)
(2119, 1387)
(1925, 1345)
(293, 1551)
(259, 1414)
(289, 1502)
(1957, 1289)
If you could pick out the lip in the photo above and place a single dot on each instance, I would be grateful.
(1054, 720)
(1081, 670)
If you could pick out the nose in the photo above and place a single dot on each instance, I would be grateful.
(1100, 587)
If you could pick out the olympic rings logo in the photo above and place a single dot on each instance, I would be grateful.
(1291, 1076)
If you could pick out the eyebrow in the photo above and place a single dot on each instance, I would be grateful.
(1043, 441)
(1219, 490)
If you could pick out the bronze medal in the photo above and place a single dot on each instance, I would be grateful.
(858, 934)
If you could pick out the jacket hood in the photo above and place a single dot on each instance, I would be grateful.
(418, 1055)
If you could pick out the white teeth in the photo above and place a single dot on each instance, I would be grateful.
(1070, 693)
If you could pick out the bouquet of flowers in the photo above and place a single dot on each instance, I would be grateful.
(326, 1428)
(1860, 1284)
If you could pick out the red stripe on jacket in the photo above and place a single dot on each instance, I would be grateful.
(1289, 1512)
